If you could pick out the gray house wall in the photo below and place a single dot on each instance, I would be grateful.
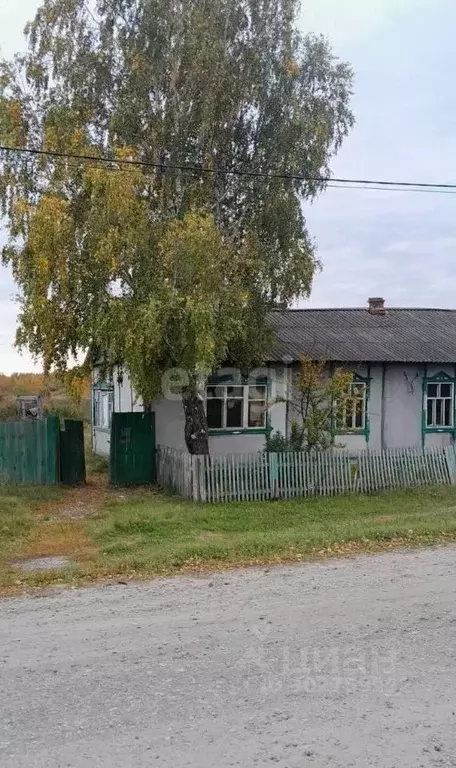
(170, 422)
(395, 411)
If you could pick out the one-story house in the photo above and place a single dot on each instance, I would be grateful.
(404, 367)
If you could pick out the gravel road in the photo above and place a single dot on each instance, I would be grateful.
(337, 664)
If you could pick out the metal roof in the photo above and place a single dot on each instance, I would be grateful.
(356, 335)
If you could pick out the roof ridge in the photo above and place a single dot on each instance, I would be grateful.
(363, 309)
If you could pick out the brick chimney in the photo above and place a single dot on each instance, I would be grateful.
(377, 306)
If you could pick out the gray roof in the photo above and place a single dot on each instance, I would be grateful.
(355, 335)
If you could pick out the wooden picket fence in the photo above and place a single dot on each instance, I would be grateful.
(261, 476)
(175, 471)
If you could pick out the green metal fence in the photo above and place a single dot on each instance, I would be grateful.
(38, 453)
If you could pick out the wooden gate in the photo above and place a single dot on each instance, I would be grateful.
(72, 456)
(29, 452)
(133, 452)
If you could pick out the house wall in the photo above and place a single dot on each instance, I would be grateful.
(395, 407)
(403, 405)
(170, 422)
(395, 411)
(101, 442)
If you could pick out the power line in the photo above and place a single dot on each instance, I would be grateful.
(395, 189)
(350, 183)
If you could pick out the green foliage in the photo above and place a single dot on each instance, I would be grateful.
(154, 267)
(68, 410)
(318, 402)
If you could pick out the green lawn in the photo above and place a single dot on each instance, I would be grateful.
(144, 533)
(149, 533)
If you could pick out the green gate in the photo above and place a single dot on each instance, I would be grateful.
(72, 455)
(29, 452)
(133, 455)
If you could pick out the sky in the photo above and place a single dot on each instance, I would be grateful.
(398, 245)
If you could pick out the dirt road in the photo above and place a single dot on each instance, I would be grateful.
(346, 663)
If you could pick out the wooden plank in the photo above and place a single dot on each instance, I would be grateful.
(380, 462)
(254, 475)
(451, 464)
(251, 474)
(301, 474)
(414, 473)
(241, 490)
(268, 489)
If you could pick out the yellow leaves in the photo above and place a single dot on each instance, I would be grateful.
(50, 239)
(291, 67)
(78, 141)
(311, 373)
(51, 138)
(193, 255)
(77, 383)
(15, 111)
(126, 153)
(138, 63)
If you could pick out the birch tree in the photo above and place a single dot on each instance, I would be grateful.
(153, 264)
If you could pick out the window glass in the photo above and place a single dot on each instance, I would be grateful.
(257, 414)
(235, 392)
(439, 405)
(445, 390)
(230, 406)
(448, 420)
(352, 413)
(214, 413)
(438, 412)
(359, 414)
(234, 413)
(257, 393)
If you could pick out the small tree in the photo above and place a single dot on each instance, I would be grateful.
(320, 399)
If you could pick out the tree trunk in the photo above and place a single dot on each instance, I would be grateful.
(196, 436)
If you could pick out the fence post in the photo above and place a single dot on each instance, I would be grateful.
(450, 457)
(204, 467)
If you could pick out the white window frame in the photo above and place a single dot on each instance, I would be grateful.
(343, 427)
(246, 400)
(434, 400)
(103, 408)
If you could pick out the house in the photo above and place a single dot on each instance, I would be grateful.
(404, 366)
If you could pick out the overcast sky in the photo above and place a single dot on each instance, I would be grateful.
(400, 245)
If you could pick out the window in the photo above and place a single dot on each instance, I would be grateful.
(236, 407)
(103, 407)
(439, 404)
(353, 413)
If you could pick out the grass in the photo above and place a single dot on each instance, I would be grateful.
(151, 534)
(143, 533)
(17, 524)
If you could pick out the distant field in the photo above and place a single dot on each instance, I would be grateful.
(56, 400)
